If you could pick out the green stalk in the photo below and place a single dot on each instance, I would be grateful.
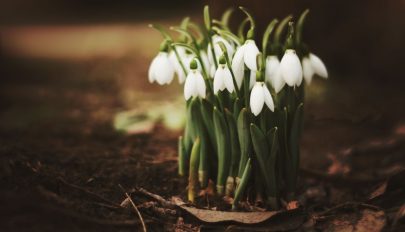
(242, 184)
(182, 159)
(223, 150)
(193, 176)
(235, 152)
(244, 139)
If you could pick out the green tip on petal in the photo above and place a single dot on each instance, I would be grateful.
(222, 59)
(193, 64)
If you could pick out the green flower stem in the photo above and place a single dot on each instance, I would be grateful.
(223, 149)
(240, 190)
(225, 18)
(299, 27)
(246, 90)
(241, 29)
(243, 126)
(182, 161)
(266, 37)
(193, 175)
(235, 152)
(207, 22)
(278, 33)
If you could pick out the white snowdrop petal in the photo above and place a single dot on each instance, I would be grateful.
(189, 86)
(152, 68)
(200, 85)
(272, 66)
(250, 55)
(318, 66)
(290, 67)
(218, 51)
(219, 80)
(278, 81)
(164, 71)
(267, 98)
(212, 71)
(205, 60)
(228, 80)
(307, 70)
(238, 66)
(256, 99)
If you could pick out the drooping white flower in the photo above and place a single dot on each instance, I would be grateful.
(161, 69)
(195, 84)
(244, 55)
(312, 65)
(259, 96)
(272, 74)
(223, 79)
(217, 49)
(181, 75)
(290, 68)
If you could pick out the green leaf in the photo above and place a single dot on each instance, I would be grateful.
(261, 149)
(193, 174)
(223, 149)
(241, 29)
(244, 139)
(207, 113)
(295, 136)
(235, 148)
(182, 159)
(207, 19)
(240, 190)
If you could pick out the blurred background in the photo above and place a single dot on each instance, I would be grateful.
(71, 71)
(68, 67)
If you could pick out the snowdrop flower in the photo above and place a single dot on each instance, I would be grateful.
(161, 69)
(311, 65)
(259, 96)
(195, 84)
(223, 77)
(272, 74)
(290, 68)
(246, 54)
(217, 49)
(181, 75)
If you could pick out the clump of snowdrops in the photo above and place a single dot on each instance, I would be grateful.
(244, 104)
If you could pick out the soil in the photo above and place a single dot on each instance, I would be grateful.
(65, 168)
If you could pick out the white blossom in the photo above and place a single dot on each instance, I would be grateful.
(312, 65)
(272, 74)
(259, 96)
(244, 55)
(161, 69)
(223, 79)
(195, 85)
(290, 68)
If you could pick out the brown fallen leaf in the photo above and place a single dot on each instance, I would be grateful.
(211, 216)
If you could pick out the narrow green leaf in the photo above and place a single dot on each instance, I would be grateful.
(182, 159)
(207, 112)
(240, 190)
(207, 19)
(244, 139)
(295, 137)
(223, 149)
(235, 148)
(193, 170)
(261, 149)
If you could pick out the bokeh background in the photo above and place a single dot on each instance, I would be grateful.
(68, 69)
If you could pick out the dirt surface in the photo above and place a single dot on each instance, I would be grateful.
(65, 168)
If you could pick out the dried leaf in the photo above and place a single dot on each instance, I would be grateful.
(211, 216)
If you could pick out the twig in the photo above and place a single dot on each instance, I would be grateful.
(88, 192)
(136, 209)
(156, 197)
